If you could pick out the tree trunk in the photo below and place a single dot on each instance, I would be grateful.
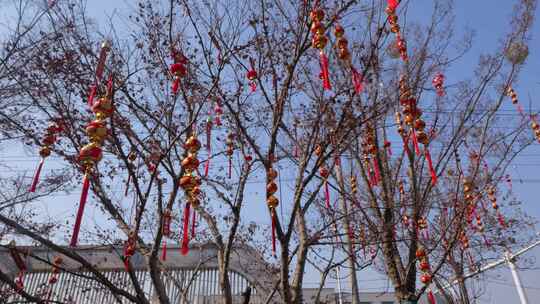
(349, 243)
(224, 283)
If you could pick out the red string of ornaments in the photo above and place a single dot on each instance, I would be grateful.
(49, 139)
(191, 184)
(345, 55)
(400, 43)
(91, 153)
(425, 268)
(272, 201)
(413, 118)
(319, 41)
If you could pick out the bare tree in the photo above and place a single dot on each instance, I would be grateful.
(217, 105)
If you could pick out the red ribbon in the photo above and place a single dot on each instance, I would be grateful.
(175, 85)
(326, 194)
(36, 176)
(324, 71)
(273, 215)
(253, 86)
(208, 146)
(431, 169)
(92, 94)
(185, 238)
(415, 142)
(78, 219)
(357, 81)
(431, 298)
(164, 251)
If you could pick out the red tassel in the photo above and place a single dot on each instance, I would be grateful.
(431, 169)
(185, 238)
(357, 81)
(101, 63)
(193, 220)
(324, 71)
(110, 84)
(415, 142)
(92, 95)
(501, 220)
(406, 145)
(273, 215)
(295, 151)
(208, 146)
(253, 86)
(377, 175)
(164, 251)
(78, 219)
(175, 85)
(326, 194)
(230, 166)
(36, 176)
(431, 298)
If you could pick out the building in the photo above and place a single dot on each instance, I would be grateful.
(190, 279)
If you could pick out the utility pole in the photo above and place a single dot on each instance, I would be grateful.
(509, 259)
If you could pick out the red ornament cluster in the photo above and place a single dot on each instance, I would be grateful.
(394, 27)
(191, 184)
(49, 139)
(319, 41)
(438, 84)
(178, 70)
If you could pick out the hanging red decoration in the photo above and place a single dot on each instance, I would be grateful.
(252, 75)
(105, 49)
(91, 153)
(325, 173)
(413, 119)
(209, 123)
(191, 185)
(218, 111)
(438, 84)
(166, 232)
(129, 248)
(401, 44)
(49, 139)
(319, 41)
(272, 201)
(345, 55)
(178, 69)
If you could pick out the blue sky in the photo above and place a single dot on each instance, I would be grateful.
(489, 19)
